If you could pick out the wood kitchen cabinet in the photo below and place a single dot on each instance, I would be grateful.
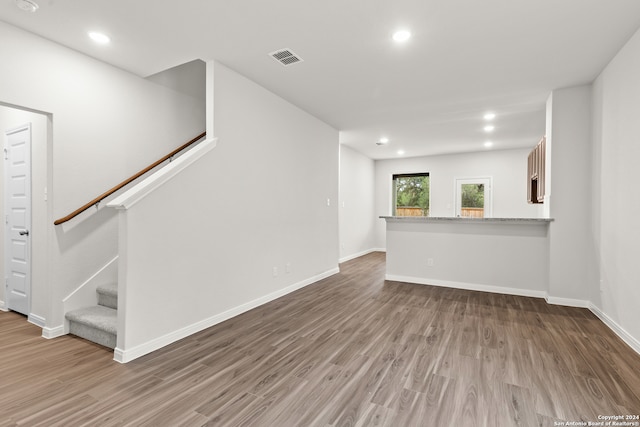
(535, 173)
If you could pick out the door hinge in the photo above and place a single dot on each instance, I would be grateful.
(6, 154)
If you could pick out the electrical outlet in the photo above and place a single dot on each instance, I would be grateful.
(275, 271)
(430, 262)
(287, 268)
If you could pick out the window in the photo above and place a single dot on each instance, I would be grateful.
(411, 194)
(473, 197)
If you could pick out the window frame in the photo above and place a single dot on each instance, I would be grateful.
(488, 194)
(394, 194)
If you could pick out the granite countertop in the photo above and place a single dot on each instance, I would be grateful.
(468, 220)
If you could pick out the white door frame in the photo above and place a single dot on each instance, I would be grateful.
(14, 234)
(488, 193)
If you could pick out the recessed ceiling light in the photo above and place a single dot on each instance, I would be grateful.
(400, 152)
(27, 5)
(488, 144)
(489, 128)
(490, 116)
(383, 141)
(401, 36)
(99, 37)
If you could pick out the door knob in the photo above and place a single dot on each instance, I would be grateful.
(24, 232)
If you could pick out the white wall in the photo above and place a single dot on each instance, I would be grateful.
(503, 257)
(107, 124)
(571, 251)
(188, 78)
(12, 118)
(614, 172)
(508, 168)
(357, 217)
(286, 165)
(256, 202)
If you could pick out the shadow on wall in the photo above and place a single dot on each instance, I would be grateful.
(76, 232)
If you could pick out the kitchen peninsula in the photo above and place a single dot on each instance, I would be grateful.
(504, 255)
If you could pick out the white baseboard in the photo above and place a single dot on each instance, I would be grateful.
(37, 320)
(127, 355)
(467, 286)
(380, 250)
(120, 356)
(40, 322)
(50, 333)
(568, 302)
(619, 330)
(357, 255)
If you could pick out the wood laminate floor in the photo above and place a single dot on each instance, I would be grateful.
(351, 350)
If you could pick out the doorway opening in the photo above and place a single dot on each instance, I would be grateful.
(26, 139)
(17, 213)
(473, 197)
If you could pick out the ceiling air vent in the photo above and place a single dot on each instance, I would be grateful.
(285, 57)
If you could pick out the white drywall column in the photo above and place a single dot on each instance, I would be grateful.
(616, 131)
(571, 251)
(209, 99)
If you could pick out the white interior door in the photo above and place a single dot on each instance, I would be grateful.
(17, 199)
(481, 185)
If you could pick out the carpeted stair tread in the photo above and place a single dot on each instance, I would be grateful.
(98, 317)
(110, 289)
(108, 295)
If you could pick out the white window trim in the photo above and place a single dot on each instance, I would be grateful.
(488, 195)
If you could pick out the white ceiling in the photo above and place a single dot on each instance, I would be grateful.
(427, 96)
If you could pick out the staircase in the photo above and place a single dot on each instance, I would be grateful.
(100, 322)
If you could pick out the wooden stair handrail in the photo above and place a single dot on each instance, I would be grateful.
(127, 181)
